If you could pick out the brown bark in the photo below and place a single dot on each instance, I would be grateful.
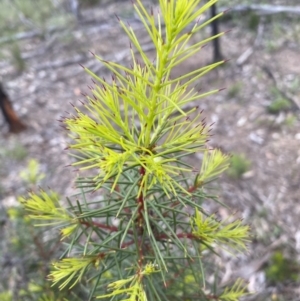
(14, 123)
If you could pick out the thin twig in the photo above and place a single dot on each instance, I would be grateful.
(280, 89)
(266, 9)
(246, 55)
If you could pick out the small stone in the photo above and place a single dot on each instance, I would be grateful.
(255, 138)
(241, 121)
(10, 201)
(248, 175)
(275, 136)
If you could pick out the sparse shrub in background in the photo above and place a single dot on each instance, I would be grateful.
(23, 15)
(17, 152)
(234, 90)
(144, 234)
(26, 266)
(282, 269)
(279, 103)
(90, 2)
(290, 120)
(253, 21)
(31, 175)
(5, 296)
(27, 251)
(239, 164)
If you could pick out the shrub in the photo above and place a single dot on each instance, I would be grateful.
(239, 164)
(281, 269)
(143, 234)
(278, 105)
(279, 102)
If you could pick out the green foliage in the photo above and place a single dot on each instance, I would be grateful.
(5, 296)
(290, 120)
(253, 21)
(89, 2)
(281, 269)
(17, 152)
(235, 292)
(234, 90)
(271, 45)
(278, 105)
(26, 242)
(32, 176)
(34, 247)
(144, 222)
(212, 231)
(239, 164)
(20, 15)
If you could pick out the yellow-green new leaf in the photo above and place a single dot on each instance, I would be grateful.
(213, 164)
(45, 207)
(234, 293)
(70, 270)
(210, 231)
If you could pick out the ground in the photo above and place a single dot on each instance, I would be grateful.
(266, 195)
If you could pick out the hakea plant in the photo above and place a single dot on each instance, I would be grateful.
(145, 234)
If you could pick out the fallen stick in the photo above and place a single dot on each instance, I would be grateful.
(285, 94)
(266, 9)
(246, 55)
